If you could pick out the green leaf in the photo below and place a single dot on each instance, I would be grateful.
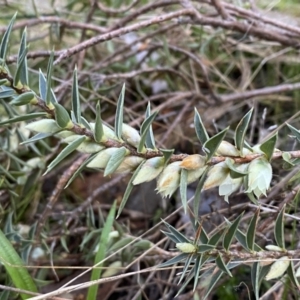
(234, 172)
(204, 248)
(23, 118)
(101, 253)
(62, 117)
(255, 271)
(6, 36)
(23, 99)
(7, 93)
(42, 85)
(213, 281)
(174, 260)
(268, 146)
(98, 132)
(119, 113)
(187, 263)
(200, 129)
(294, 131)
(144, 131)
(167, 153)
(197, 197)
(37, 137)
(291, 274)
(241, 237)
(22, 63)
(231, 232)
(288, 159)
(211, 145)
(115, 160)
(250, 237)
(65, 152)
(150, 141)
(180, 237)
(240, 131)
(279, 229)
(15, 267)
(21, 68)
(197, 269)
(75, 98)
(128, 189)
(49, 93)
(222, 266)
(215, 238)
(183, 188)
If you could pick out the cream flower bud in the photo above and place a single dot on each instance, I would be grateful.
(227, 149)
(129, 164)
(259, 177)
(216, 175)
(278, 268)
(273, 248)
(150, 170)
(101, 159)
(130, 135)
(44, 126)
(193, 162)
(194, 175)
(169, 179)
(186, 247)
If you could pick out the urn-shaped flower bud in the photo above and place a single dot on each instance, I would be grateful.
(273, 248)
(44, 126)
(193, 162)
(130, 135)
(186, 247)
(101, 159)
(150, 170)
(259, 177)
(227, 149)
(216, 175)
(169, 179)
(194, 175)
(278, 268)
(129, 164)
(229, 186)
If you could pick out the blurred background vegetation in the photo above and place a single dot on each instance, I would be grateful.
(233, 56)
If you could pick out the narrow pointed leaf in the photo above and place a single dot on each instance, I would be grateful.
(241, 237)
(37, 137)
(85, 123)
(200, 129)
(174, 260)
(167, 153)
(231, 232)
(23, 99)
(215, 238)
(241, 130)
(6, 36)
(144, 131)
(197, 197)
(120, 113)
(294, 131)
(23, 77)
(7, 93)
(292, 275)
(211, 145)
(15, 267)
(128, 190)
(197, 269)
(62, 117)
(183, 188)
(250, 237)
(78, 171)
(115, 160)
(213, 281)
(171, 236)
(204, 248)
(222, 266)
(21, 68)
(268, 146)
(42, 85)
(48, 97)
(101, 253)
(98, 133)
(149, 141)
(75, 98)
(255, 271)
(187, 263)
(234, 172)
(186, 282)
(279, 229)
(23, 118)
(181, 238)
(65, 152)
